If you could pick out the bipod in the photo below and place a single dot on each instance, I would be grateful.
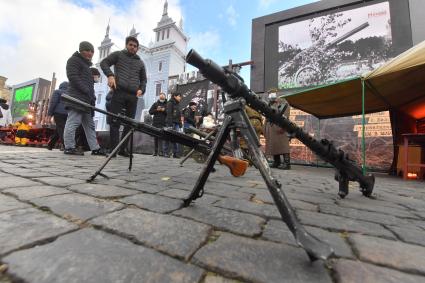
(129, 135)
(236, 117)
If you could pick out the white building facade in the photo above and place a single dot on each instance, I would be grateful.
(163, 58)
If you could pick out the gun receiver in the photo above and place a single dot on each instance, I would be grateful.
(237, 167)
(346, 169)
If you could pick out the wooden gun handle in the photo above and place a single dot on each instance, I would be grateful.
(237, 166)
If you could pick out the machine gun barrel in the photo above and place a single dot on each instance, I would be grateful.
(237, 167)
(346, 169)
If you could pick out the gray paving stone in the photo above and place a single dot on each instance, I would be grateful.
(34, 174)
(76, 206)
(27, 193)
(227, 220)
(227, 192)
(109, 182)
(218, 279)
(12, 182)
(23, 227)
(412, 236)
(175, 193)
(170, 234)
(264, 210)
(59, 181)
(9, 203)
(259, 261)
(376, 208)
(102, 191)
(342, 224)
(92, 256)
(335, 240)
(393, 254)
(153, 202)
(143, 187)
(347, 271)
(278, 231)
(265, 197)
(380, 218)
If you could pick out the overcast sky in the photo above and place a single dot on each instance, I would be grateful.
(38, 36)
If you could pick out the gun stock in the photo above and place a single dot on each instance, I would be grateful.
(237, 166)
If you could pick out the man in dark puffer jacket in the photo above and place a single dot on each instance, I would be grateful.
(158, 110)
(59, 113)
(81, 86)
(128, 83)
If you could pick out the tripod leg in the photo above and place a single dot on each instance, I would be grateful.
(130, 165)
(112, 154)
(202, 179)
(314, 247)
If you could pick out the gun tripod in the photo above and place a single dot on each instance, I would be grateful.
(129, 135)
(237, 118)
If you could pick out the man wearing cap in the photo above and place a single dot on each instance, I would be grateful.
(81, 87)
(128, 83)
(173, 121)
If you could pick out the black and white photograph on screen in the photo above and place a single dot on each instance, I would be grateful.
(334, 47)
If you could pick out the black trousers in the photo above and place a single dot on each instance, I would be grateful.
(60, 121)
(125, 103)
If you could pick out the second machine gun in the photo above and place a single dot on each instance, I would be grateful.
(346, 169)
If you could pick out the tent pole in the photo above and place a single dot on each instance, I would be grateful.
(363, 129)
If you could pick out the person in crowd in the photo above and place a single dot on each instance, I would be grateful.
(277, 141)
(173, 121)
(58, 112)
(189, 115)
(80, 136)
(128, 81)
(81, 86)
(5, 115)
(159, 112)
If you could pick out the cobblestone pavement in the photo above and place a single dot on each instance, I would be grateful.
(55, 227)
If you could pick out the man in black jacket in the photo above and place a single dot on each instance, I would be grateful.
(189, 115)
(158, 110)
(59, 113)
(128, 83)
(173, 121)
(81, 86)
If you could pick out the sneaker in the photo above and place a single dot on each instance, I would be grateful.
(155, 154)
(99, 151)
(176, 156)
(73, 151)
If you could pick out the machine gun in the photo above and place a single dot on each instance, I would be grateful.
(346, 169)
(237, 167)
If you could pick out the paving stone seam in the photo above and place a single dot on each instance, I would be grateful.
(266, 217)
(40, 242)
(112, 198)
(358, 219)
(137, 242)
(218, 228)
(147, 209)
(22, 200)
(77, 221)
(358, 257)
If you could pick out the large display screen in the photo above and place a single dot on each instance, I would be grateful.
(21, 99)
(334, 47)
